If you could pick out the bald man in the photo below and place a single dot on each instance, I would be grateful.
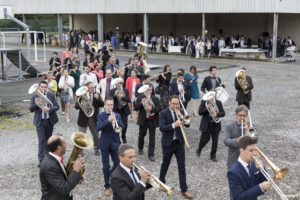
(55, 183)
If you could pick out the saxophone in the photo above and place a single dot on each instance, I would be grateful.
(242, 81)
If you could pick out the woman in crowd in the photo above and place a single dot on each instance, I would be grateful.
(66, 83)
(194, 90)
(121, 74)
(99, 72)
(75, 73)
(53, 70)
(52, 84)
(131, 83)
(57, 78)
(66, 54)
(163, 79)
(94, 64)
(208, 48)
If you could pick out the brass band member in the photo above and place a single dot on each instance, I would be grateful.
(163, 79)
(121, 101)
(54, 180)
(212, 81)
(211, 110)
(173, 143)
(126, 182)
(109, 141)
(180, 87)
(148, 106)
(243, 84)
(85, 121)
(55, 60)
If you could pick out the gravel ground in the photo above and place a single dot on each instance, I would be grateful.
(274, 110)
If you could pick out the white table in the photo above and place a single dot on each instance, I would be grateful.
(174, 49)
(243, 53)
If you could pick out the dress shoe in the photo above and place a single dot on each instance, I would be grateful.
(107, 192)
(141, 152)
(198, 153)
(151, 158)
(124, 140)
(97, 153)
(187, 195)
(214, 159)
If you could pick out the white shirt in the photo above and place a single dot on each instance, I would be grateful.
(136, 177)
(58, 158)
(90, 77)
(62, 83)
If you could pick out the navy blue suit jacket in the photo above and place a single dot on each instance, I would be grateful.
(109, 139)
(165, 126)
(242, 185)
(37, 118)
(174, 89)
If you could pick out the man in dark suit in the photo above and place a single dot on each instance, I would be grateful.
(245, 180)
(208, 126)
(148, 117)
(55, 183)
(244, 98)
(121, 101)
(126, 182)
(179, 87)
(212, 81)
(146, 81)
(55, 60)
(173, 143)
(44, 118)
(85, 121)
(138, 68)
(109, 141)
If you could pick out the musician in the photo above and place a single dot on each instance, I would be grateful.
(55, 183)
(179, 87)
(209, 127)
(104, 87)
(109, 141)
(87, 76)
(146, 81)
(212, 81)
(55, 60)
(163, 79)
(84, 121)
(44, 119)
(126, 183)
(173, 143)
(244, 178)
(119, 107)
(136, 67)
(148, 116)
(87, 60)
(241, 97)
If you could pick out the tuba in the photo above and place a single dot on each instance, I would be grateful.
(211, 105)
(81, 141)
(148, 101)
(43, 101)
(242, 81)
(119, 92)
(83, 101)
(155, 182)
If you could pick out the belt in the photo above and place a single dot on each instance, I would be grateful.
(176, 141)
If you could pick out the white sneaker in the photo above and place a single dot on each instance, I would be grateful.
(62, 113)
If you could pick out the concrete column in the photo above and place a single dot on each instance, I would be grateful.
(60, 32)
(24, 19)
(145, 28)
(203, 27)
(71, 22)
(275, 32)
(100, 27)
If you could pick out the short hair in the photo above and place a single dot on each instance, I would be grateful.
(55, 53)
(244, 68)
(43, 82)
(182, 70)
(87, 66)
(108, 99)
(108, 70)
(174, 96)
(88, 83)
(123, 148)
(52, 146)
(180, 74)
(246, 141)
(241, 108)
(212, 67)
(134, 70)
(145, 76)
(193, 67)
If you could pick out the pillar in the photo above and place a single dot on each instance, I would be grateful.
(275, 32)
(60, 32)
(203, 27)
(145, 28)
(100, 27)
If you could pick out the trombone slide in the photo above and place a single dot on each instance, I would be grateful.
(183, 135)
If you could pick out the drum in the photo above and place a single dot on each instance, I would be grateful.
(222, 95)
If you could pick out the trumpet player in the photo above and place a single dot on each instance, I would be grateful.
(44, 117)
(126, 183)
(243, 84)
(180, 87)
(85, 121)
(109, 141)
(211, 110)
(55, 60)
(121, 100)
(244, 178)
(172, 142)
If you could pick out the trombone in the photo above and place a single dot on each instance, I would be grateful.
(183, 134)
(187, 118)
(116, 126)
(155, 182)
(279, 173)
(252, 132)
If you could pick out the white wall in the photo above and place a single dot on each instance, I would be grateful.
(289, 25)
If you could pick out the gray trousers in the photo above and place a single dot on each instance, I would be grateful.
(92, 126)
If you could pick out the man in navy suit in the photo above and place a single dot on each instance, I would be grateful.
(173, 143)
(179, 86)
(109, 141)
(44, 119)
(245, 180)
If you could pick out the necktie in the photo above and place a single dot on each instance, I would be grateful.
(175, 119)
(249, 167)
(62, 160)
(45, 114)
(135, 181)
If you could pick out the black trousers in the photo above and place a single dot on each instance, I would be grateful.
(205, 137)
(246, 103)
(124, 119)
(178, 150)
(149, 124)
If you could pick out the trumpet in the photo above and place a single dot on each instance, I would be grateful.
(187, 118)
(116, 126)
(155, 182)
(183, 134)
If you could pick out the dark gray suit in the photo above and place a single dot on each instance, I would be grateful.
(232, 132)
(55, 185)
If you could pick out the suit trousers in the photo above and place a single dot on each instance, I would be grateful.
(178, 150)
(246, 103)
(44, 132)
(124, 119)
(92, 126)
(149, 124)
(106, 166)
(205, 137)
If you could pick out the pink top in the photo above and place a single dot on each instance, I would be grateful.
(99, 74)
(129, 83)
(64, 55)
